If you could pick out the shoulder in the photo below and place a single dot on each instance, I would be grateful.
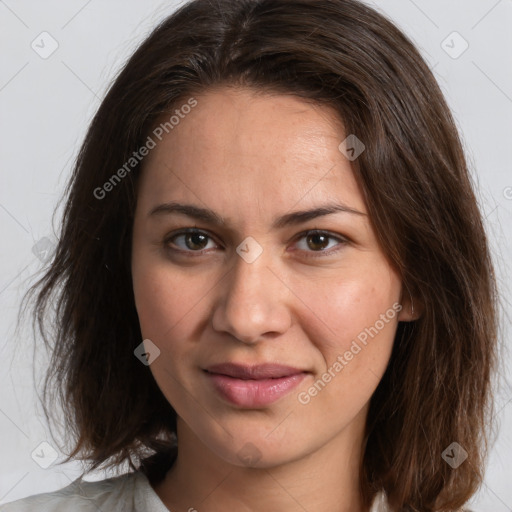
(114, 494)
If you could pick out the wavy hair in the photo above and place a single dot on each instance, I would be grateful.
(421, 202)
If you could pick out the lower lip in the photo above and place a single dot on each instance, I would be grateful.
(254, 393)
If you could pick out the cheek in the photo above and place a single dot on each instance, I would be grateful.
(167, 305)
(359, 315)
(163, 300)
(364, 315)
(165, 297)
(354, 302)
(356, 349)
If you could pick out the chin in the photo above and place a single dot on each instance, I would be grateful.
(255, 448)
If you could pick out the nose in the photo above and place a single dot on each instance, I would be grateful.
(253, 303)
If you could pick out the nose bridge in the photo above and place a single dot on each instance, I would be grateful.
(253, 300)
(250, 278)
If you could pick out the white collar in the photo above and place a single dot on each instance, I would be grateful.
(380, 503)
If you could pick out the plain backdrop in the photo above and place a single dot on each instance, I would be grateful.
(57, 59)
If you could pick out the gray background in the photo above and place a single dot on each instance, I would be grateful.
(46, 104)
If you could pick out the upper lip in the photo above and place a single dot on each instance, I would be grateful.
(256, 372)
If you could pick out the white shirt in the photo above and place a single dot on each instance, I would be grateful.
(131, 492)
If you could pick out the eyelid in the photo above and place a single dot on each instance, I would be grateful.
(167, 239)
(343, 240)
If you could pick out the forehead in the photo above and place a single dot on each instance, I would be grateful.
(241, 147)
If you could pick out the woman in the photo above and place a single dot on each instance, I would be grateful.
(273, 287)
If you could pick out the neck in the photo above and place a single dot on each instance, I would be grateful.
(326, 479)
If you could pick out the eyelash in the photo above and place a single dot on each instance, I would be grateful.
(313, 254)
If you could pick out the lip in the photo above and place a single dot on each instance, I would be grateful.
(253, 386)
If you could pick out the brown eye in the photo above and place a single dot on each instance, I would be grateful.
(196, 241)
(317, 241)
(188, 241)
(320, 242)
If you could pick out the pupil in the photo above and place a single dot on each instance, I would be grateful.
(192, 240)
(316, 245)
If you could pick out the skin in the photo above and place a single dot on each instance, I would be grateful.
(252, 157)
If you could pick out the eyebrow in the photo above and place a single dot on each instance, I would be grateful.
(289, 219)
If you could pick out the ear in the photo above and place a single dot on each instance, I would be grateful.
(412, 308)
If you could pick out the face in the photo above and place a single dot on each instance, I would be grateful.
(273, 328)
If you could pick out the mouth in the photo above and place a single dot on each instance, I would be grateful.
(253, 387)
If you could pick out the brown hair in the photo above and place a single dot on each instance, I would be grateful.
(414, 177)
